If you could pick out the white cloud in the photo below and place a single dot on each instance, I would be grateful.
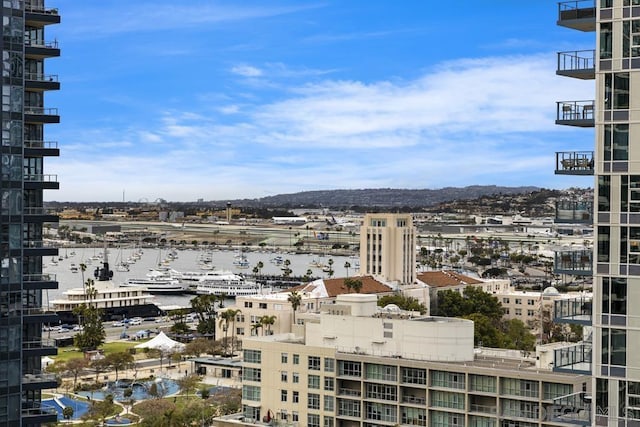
(246, 71)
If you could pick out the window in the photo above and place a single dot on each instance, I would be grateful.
(283, 395)
(381, 392)
(296, 359)
(329, 364)
(381, 372)
(551, 391)
(328, 422)
(446, 399)
(262, 305)
(295, 397)
(252, 356)
(313, 420)
(531, 302)
(283, 376)
(251, 374)
(518, 387)
(518, 301)
(248, 304)
(614, 347)
(631, 38)
(530, 313)
(606, 40)
(414, 375)
(616, 91)
(294, 415)
(328, 384)
(284, 357)
(616, 142)
(349, 368)
(505, 300)
(329, 403)
(313, 401)
(604, 243)
(614, 295)
(251, 392)
(314, 363)
(447, 379)
(295, 377)
(314, 381)
(483, 383)
(518, 312)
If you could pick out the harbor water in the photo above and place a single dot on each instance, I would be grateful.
(185, 260)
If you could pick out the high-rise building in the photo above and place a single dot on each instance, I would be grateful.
(24, 147)
(614, 114)
(387, 248)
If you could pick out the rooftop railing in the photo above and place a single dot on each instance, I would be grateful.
(579, 263)
(575, 358)
(577, 310)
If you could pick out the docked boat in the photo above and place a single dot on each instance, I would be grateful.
(113, 301)
(229, 284)
(158, 282)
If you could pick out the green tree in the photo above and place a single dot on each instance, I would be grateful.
(267, 321)
(347, 266)
(485, 332)
(67, 413)
(472, 300)
(120, 361)
(295, 299)
(353, 285)
(76, 367)
(519, 336)
(227, 319)
(205, 307)
(404, 302)
(189, 383)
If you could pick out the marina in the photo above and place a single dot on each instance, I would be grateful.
(189, 264)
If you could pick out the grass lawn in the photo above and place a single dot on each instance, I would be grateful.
(66, 353)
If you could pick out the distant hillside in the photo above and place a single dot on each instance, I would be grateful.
(380, 197)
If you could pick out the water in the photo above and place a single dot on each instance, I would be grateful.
(187, 260)
(140, 389)
(79, 407)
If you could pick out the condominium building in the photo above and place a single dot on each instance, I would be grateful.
(614, 114)
(388, 248)
(25, 49)
(358, 365)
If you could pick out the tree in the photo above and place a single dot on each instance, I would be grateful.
(205, 309)
(353, 284)
(267, 321)
(99, 366)
(330, 272)
(189, 383)
(347, 266)
(472, 300)
(101, 409)
(76, 367)
(260, 266)
(295, 299)
(404, 302)
(128, 395)
(228, 318)
(200, 346)
(120, 361)
(67, 413)
(92, 334)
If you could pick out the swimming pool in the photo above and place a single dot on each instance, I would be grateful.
(140, 389)
(80, 407)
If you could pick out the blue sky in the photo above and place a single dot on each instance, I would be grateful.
(210, 99)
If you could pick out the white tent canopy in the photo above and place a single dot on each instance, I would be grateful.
(163, 343)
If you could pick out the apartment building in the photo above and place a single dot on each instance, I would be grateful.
(357, 365)
(388, 248)
(613, 113)
(25, 49)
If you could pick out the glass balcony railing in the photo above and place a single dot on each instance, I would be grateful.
(574, 163)
(577, 15)
(575, 113)
(579, 64)
(40, 111)
(33, 143)
(574, 408)
(38, 177)
(574, 358)
(578, 263)
(574, 211)
(51, 44)
(578, 310)
(37, 77)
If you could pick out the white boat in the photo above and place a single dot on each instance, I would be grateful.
(74, 268)
(229, 284)
(158, 282)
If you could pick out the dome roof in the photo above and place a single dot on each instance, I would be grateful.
(550, 291)
(391, 307)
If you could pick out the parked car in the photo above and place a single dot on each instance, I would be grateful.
(118, 324)
(78, 328)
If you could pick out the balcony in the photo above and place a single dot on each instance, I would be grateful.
(38, 215)
(347, 392)
(41, 49)
(575, 113)
(577, 263)
(41, 148)
(39, 281)
(34, 114)
(574, 408)
(42, 347)
(38, 415)
(574, 163)
(578, 64)
(36, 14)
(483, 409)
(39, 381)
(35, 181)
(574, 212)
(576, 310)
(575, 359)
(36, 81)
(39, 315)
(577, 15)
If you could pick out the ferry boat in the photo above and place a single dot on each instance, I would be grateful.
(114, 301)
(158, 282)
(229, 284)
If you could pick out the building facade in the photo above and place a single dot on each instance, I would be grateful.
(356, 365)
(388, 248)
(25, 50)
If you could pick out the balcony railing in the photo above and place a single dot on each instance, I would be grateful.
(38, 7)
(575, 358)
(34, 345)
(574, 211)
(577, 14)
(34, 143)
(579, 64)
(414, 400)
(41, 77)
(575, 113)
(574, 163)
(578, 263)
(37, 177)
(485, 409)
(41, 43)
(40, 111)
(44, 277)
(576, 310)
(349, 392)
(574, 408)
(38, 377)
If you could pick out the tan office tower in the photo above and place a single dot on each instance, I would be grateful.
(388, 248)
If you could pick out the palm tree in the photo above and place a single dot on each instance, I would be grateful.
(83, 268)
(347, 266)
(260, 265)
(228, 317)
(295, 299)
(255, 327)
(267, 321)
(330, 272)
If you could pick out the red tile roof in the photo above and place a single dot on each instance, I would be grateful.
(337, 287)
(443, 279)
